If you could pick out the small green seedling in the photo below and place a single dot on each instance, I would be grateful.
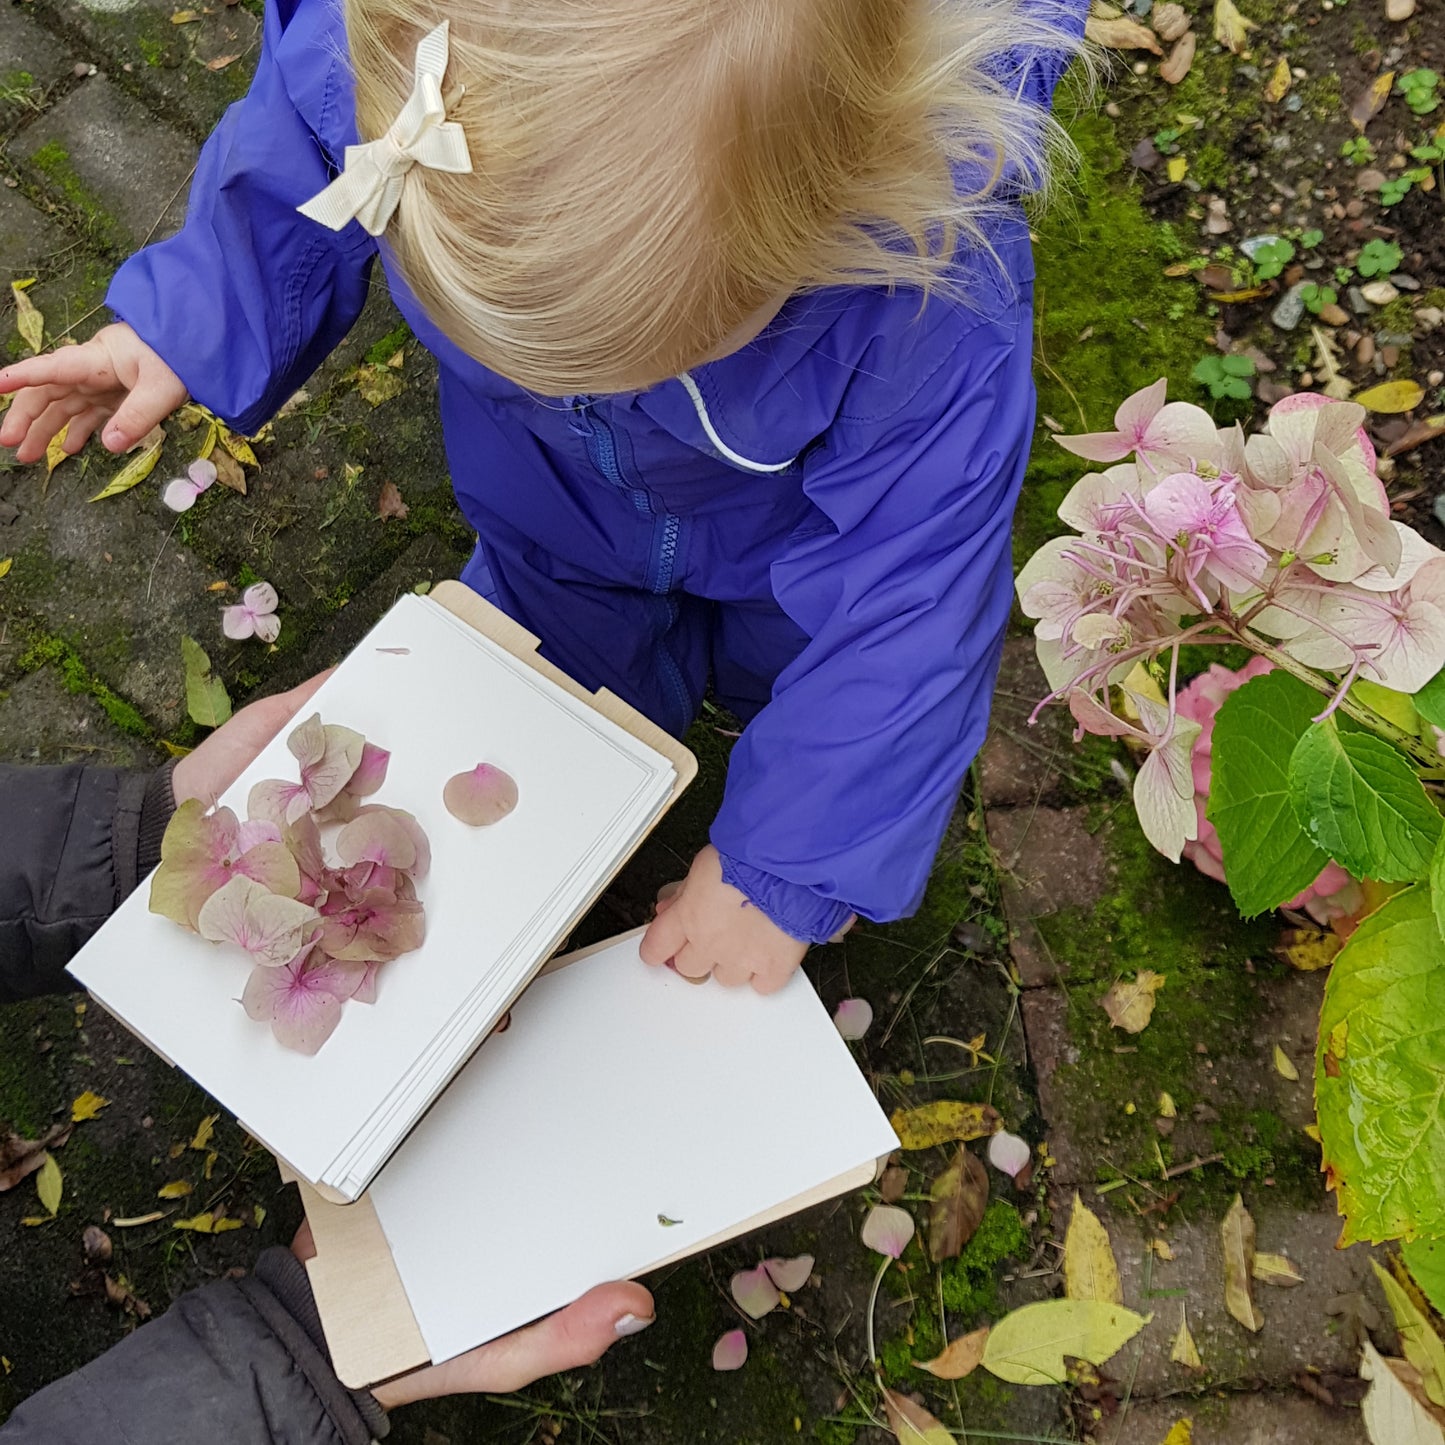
(1431, 152)
(1379, 258)
(1357, 150)
(1271, 258)
(1420, 89)
(1310, 239)
(1316, 298)
(1225, 376)
(1398, 187)
(1166, 142)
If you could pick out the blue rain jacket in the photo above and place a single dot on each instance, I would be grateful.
(818, 522)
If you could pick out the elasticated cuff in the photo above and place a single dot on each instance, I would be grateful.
(286, 1281)
(798, 911)
(157, 807)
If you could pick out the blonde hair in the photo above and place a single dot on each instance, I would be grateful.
(648, 174)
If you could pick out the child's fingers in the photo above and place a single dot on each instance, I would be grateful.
(70, 366)
(732, 974)
(81, 427)
(28, 405)
(47, 425)
(151, 400)
(664, 937)
(691, 962)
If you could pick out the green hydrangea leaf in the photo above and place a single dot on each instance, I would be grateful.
(1268, 858)
(1361, 801)
(1425, 1259)
(206, 698)
(1380, 1074)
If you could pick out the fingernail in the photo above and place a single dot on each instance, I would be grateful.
(631, 1325)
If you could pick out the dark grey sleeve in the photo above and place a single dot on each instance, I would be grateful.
(242, 1362)
(73, 842)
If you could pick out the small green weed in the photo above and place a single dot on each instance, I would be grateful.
(1316, 298)
(1225, 376)
(1310, 239)
(1271, 258)
(1420, 89)
(1379, 258)
(1358, 150)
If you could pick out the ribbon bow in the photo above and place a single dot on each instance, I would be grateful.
(369, 187)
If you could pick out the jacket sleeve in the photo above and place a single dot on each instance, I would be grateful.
(840, 789)
(246, 301)
(242, 1362)
(76, 841)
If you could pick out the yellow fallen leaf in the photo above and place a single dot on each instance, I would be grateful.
(238, 446)
(1308, 949)
(1160, 1249)
(1090, 1269)
(1372, 101)
(1284, 1065)
(1177, 168)
(1130, 1006)
(1423, 1347)
(1167, 1108)
(55, 452)
(1237, 1234)
(258, 1215)
(1277, 86)
(185, 17)
(50, 1185)
(1181, 1432)
(1184, 1351)
(140, 466)
(1231, 29)
(208, 442)
(1392, 1415)
(28, 320)
(960, 1359)
(944, 1121)
(1028, 1346)
(87, 1106)
(1276, 1269)
(911, 1423)
(6, 563)
(207, 1223)
(1121, 33)
(1391, 397)
(176, 1189)
(210, 1164)
(204, 1130)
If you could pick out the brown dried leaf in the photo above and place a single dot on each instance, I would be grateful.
(1276, 1269)
(95, 1243)
(1420, 432)
(894, 1184)
(1237, 1234)
(1169, 20)
(20, 1158)
(1122, 34)
(222, 61)
(911, 1423)
(1130, 1006)
(1371, 101)
(960, 1197)
(960, 1359)
(389, 504)
(1180, 59)
(228, 470)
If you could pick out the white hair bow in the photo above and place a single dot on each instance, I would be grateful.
(369, 187)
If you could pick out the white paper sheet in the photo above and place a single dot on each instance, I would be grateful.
(619, 1093)
(495, 898)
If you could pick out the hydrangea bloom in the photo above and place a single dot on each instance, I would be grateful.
(254, 615)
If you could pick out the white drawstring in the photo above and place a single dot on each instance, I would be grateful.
(734, 457)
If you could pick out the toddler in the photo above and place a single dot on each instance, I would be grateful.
(731, 302)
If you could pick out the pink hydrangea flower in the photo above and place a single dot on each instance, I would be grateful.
(180, 495)
(254, 615)
(1334, 894)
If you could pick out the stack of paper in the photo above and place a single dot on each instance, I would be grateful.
(626, 1119)
(442, 698)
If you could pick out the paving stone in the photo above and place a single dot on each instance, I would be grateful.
(26, 50)
(1021, 764)
(1299, 1333)
(1050, 860)
(69, 282)
(1245, 1419)
(40, 722)
(129, 165)
(1046, 1032)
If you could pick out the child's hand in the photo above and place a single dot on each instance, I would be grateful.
(114, 374)
(708, 927)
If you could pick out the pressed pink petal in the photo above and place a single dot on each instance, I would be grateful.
(238, 623)
(1098, 446)
(305, 1018)
(261, 597)
(370, 772)
(483, 796)
(307, 742)
(272, 866)
(267, 625)
(366, 989)
(853, 1017)
(254, 831)
(270, 928)
(888, 1229)
(790, 1275)
(755, 1293)
(202, 474)
(180, 495)
(335, 976)
(324, 777)
(195, 861)
(274, 801)
(1008, 1153)
(376, 837)
(731, 1351)
(419, 838)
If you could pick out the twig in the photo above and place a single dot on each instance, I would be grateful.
(1195, 1163)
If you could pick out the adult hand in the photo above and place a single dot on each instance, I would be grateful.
(709, 927)
(578, 1335)
(114, 375)
(207, 772)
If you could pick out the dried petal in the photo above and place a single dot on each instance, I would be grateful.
(1009, 1154)
(888, 1229)
(755, 1292)
(302, 1002)
(731, 1351)
(376, 838)
(483, 796)
(270, 928)
(370, 772)
(790, 1275)
(854, 1017)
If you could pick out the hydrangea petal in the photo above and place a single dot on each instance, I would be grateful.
(238, 623)
(1008, 1153)
(270, 928)
(422, 866)
(377, 837)
(324, 777)
(853, 1017)
(278, 802)
(179, 495)
(272, 866)
(370, 772)
(790, 1275)
(731, 1351)
(755, 1293)
(480, 797)
(202, 474)
(302, 1014)
(260, 597)
(195, 853)
(266, 625)
(888, 1229)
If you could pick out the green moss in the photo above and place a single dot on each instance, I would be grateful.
(1211, 167)
(970, 1282)
(1100, 262)
(46, 651)
(389, 345)
(53, 162)
(152, 51)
